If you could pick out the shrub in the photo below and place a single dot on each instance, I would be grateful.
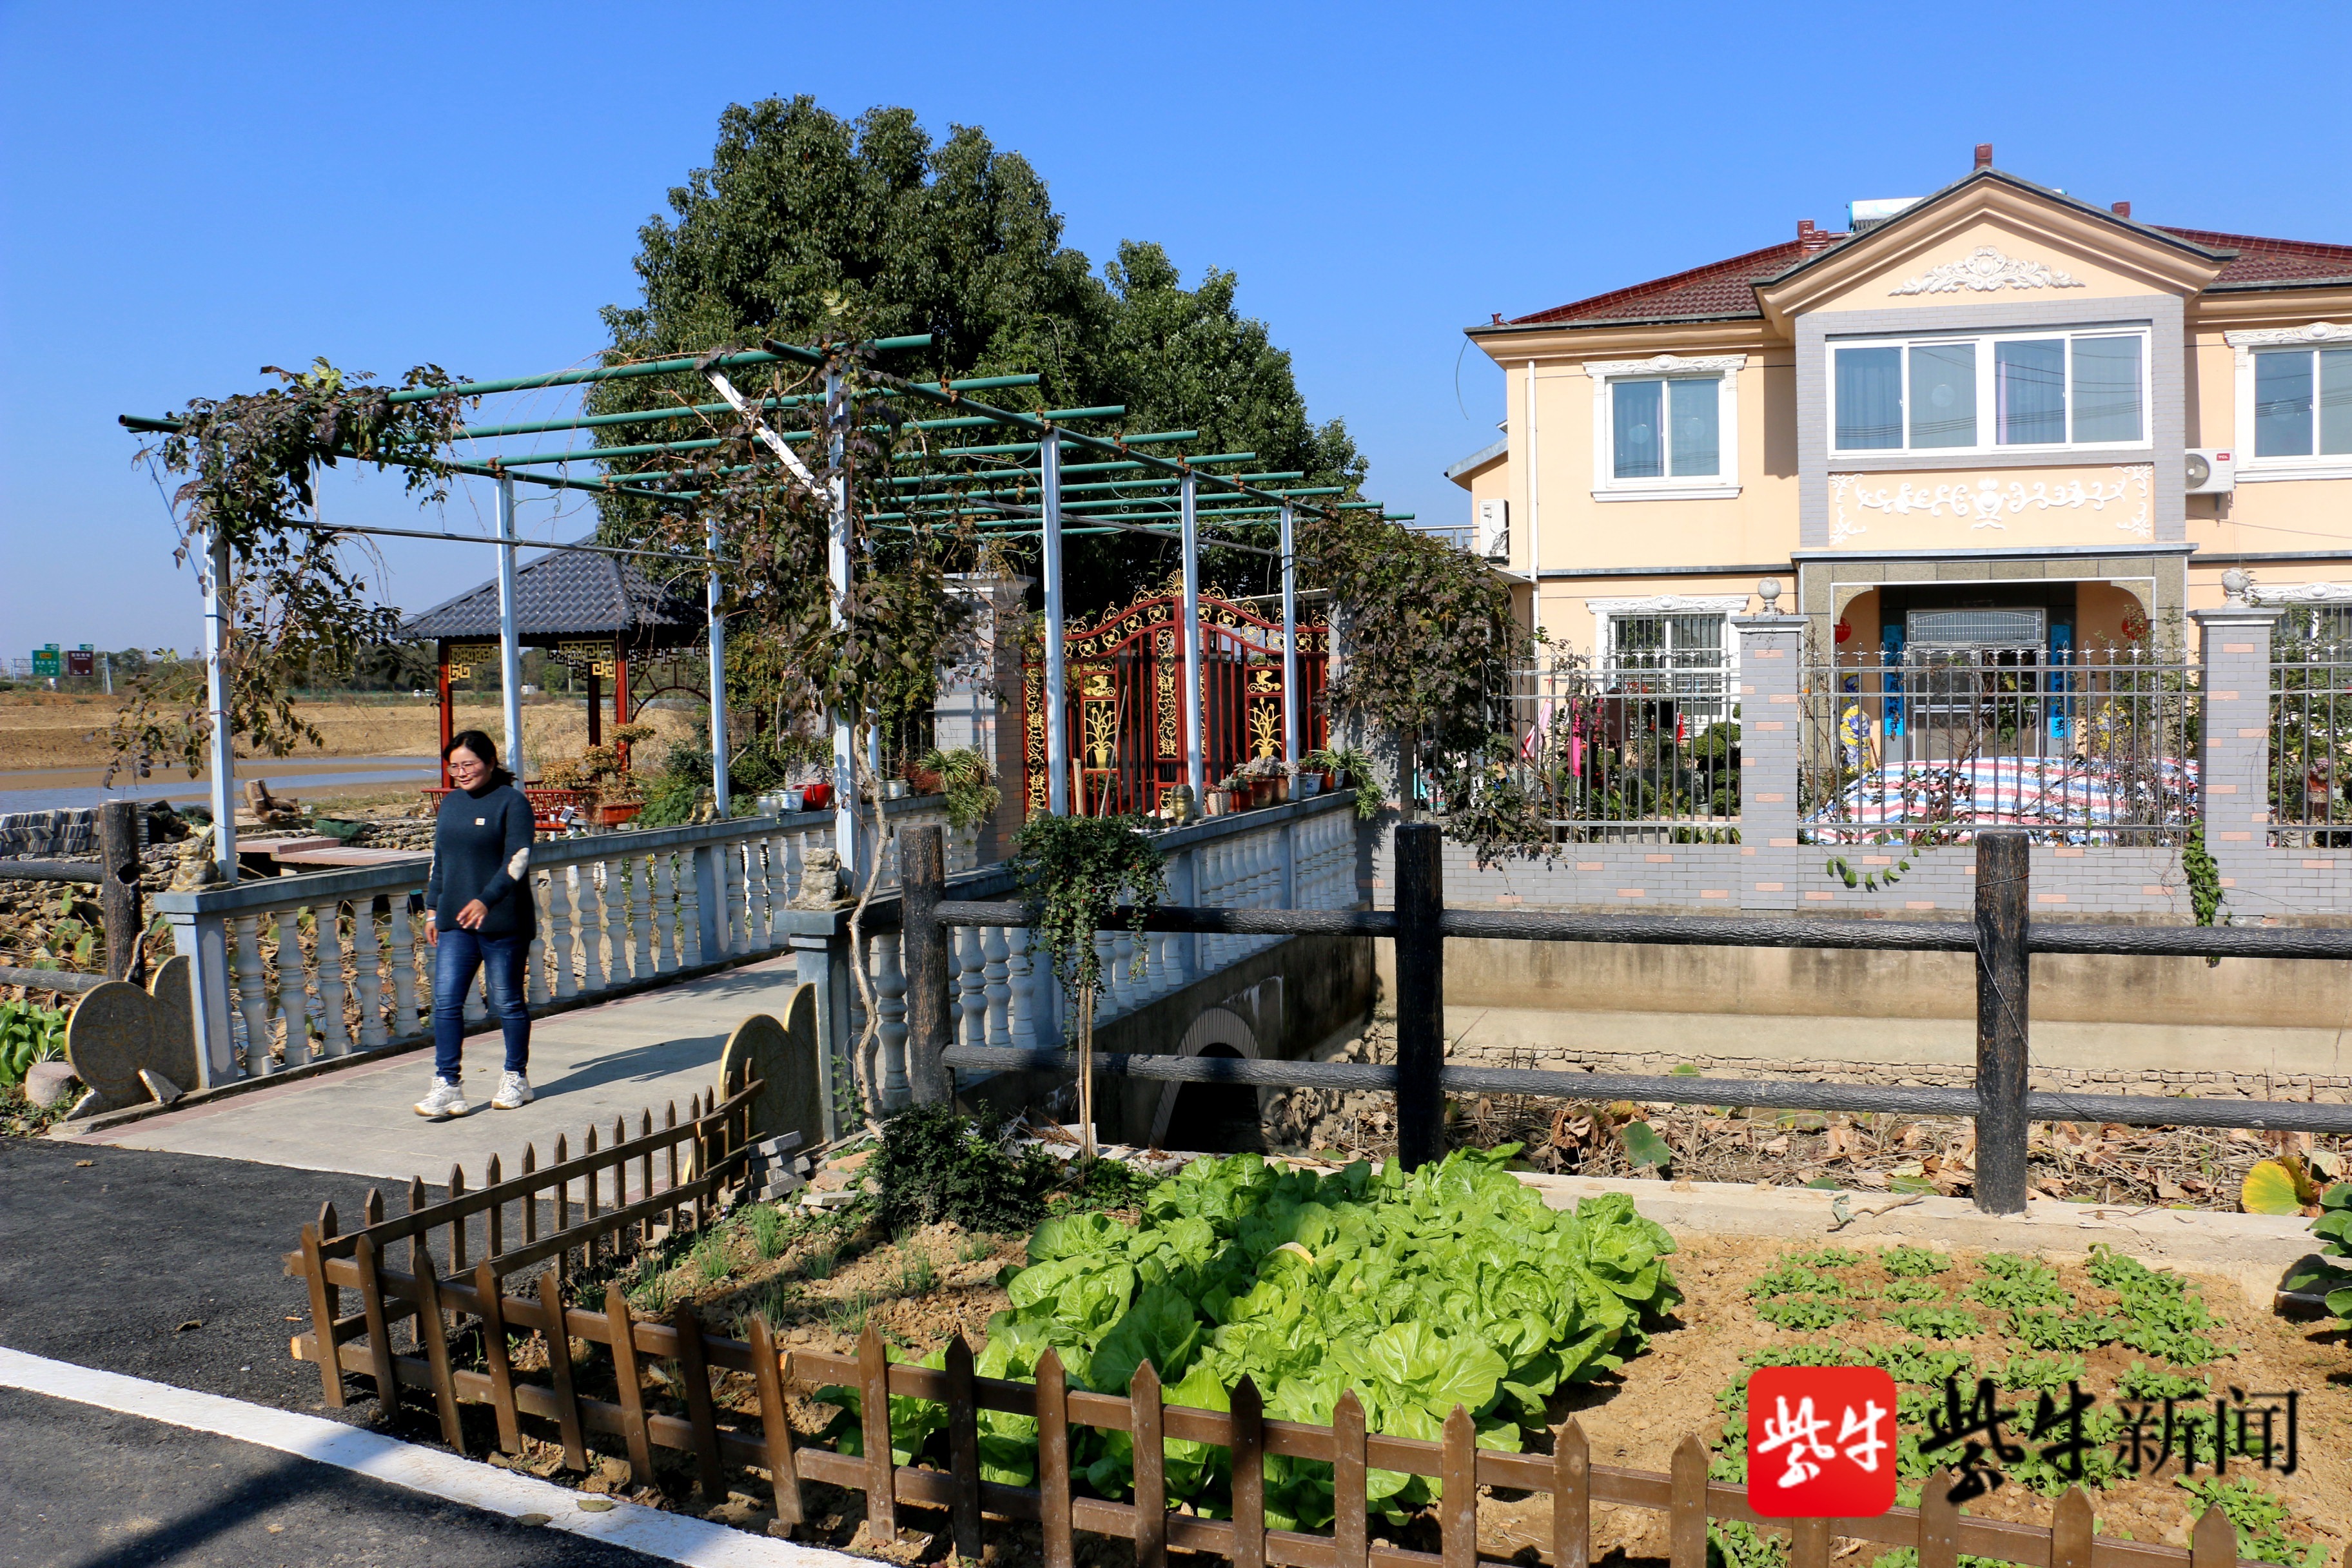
(935, 1165)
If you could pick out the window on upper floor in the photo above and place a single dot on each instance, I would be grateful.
(2302, 402)
(1666, 427)
(1985, 392)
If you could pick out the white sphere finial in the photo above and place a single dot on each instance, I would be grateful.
(2234, 582)
(1769, 590)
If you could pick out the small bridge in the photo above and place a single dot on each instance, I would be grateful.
(312, 1000)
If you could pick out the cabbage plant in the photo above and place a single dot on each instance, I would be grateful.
(1453, 1284)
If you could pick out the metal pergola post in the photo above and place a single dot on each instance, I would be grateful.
(837, 565)
(510, 650)
(219, 607)
(718, 682)
(1290, 713)
(1195, 764)
(1049, 549)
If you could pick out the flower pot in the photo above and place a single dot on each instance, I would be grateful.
(1220, 802)
(795, 800)
(613, 813)
(1261, 793)
(1306, 787)
(896, 789)
(817, 798)
(1278, 787)
(924, 781)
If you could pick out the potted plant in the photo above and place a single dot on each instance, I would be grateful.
(962, 776)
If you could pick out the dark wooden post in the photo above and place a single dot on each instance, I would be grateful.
(119, 901)
(620, 697)
(1421, 994)
(2001, 1012)
(922, 877)
(595, 708)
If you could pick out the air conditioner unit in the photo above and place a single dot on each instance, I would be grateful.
(2211, 471)
(1494, 539)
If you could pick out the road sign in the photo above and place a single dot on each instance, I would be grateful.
(81, 661)
(47, 661)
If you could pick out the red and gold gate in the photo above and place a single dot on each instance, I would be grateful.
(1126, 708)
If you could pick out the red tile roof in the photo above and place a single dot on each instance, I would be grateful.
(1726, 288)
(2260, 260)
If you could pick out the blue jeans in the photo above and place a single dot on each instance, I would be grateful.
(502, 959)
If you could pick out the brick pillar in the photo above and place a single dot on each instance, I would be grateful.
(2234, 772)
(1772, 671)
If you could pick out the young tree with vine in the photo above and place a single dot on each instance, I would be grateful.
(1076, 870)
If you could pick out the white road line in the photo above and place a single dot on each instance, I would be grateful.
(673, 1537)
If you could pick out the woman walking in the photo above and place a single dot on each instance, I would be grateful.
(479, 914)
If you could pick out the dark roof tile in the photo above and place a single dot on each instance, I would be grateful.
(571, 593)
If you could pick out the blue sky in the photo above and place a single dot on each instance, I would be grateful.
(190, 192)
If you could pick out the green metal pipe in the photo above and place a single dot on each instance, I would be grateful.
(768, 353)
(648, 416)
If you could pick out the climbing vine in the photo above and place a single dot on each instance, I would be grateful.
(298, 609)
(1076, 869)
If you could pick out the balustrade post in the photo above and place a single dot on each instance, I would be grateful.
(641, 913)
(293, 991)
(404, 1018)
(669, 923)
(709, 904)
(995, 987)
(616, 922)
(253, 996)
(890, 1002)
(589, 916)
(1027, 996)
(559, 930)
(534, 978)
(367, 964)
(334, 1034)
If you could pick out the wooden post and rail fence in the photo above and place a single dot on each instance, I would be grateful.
(120, 906)
(2001, 937)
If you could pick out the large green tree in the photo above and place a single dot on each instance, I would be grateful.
(804, 221)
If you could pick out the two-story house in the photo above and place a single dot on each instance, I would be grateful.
(1995, 413)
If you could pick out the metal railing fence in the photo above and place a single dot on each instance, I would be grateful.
(2311, 743)
(2086, 746)
(1642, 748)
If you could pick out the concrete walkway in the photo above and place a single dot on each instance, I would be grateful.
(589, 1067)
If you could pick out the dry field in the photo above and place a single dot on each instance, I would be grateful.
(52, 730)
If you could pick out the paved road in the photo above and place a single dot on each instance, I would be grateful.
(105, 1265)
(619, 1059)
(91, 1488)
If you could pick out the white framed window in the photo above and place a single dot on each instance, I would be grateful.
(1964, 392)
(2294, 401)
(1677, 646)
(1666, 429)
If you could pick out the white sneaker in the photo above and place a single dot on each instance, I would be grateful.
(514, 1092)
(446, 1100)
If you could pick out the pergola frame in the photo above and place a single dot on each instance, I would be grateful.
(1020, 506)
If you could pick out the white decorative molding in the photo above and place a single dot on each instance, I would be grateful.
(1672, 604)
(1984, 270)
(1667, 365)
(2300, 594)
(1984, 503)
(2289, 337)
(1841, 527)
(1606, 610)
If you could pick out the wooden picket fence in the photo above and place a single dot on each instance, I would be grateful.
(763, 1440)
(595, 1212)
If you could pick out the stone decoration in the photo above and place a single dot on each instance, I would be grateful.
(129, 1047)
(783, 1056)
(820, 886)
